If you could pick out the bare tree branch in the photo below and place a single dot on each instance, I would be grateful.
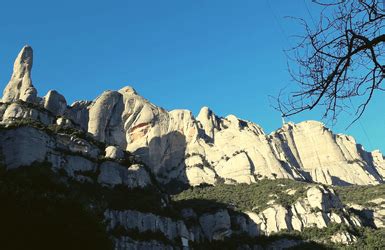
(342, 57)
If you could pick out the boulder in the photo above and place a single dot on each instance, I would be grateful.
(64, 122)
(55, 102)
(344, 238)
(114, 152)
(112, 174)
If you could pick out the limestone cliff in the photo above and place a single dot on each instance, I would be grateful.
(207, 149)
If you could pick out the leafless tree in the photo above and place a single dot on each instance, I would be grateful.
(339, 57)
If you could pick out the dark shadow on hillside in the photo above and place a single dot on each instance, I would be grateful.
(366, 215)
(306, 175)
(368, 158)
(165, 157)
(201, 206)
(338, 182)
(289, 169)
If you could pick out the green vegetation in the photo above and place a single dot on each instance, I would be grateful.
(242, 197)
(309, 238)
(369, 238)
(236, 241)
(360, 194)
(47, 210)
(320, 235)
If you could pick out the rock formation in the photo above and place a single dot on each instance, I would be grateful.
(318, 209)
(105, 118)
(20, 86)
(55, 102)
(121, 141)
(324, 157)
(208, 149)
(78, 112)
(114, 152)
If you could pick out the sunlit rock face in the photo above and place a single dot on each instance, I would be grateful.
(319, 208)
(323, 156)
(20, 86)
(181, 148)
(211, 149)
(208, 149)
(105, 118)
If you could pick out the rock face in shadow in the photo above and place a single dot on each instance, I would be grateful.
(78, 112)
(20, 86)
(165, 153)
(216, 226)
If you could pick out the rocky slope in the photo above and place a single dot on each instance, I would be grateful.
(131, 151)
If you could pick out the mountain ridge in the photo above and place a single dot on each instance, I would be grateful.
(206, 148)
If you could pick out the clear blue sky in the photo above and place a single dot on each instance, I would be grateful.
(186, 54)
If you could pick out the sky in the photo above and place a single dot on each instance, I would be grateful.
(224, 54)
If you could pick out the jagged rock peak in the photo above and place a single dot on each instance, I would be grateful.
(20, 86)
(309, 124)
(205, 112)
(128, 90)
(209, 121)
(24, 60)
